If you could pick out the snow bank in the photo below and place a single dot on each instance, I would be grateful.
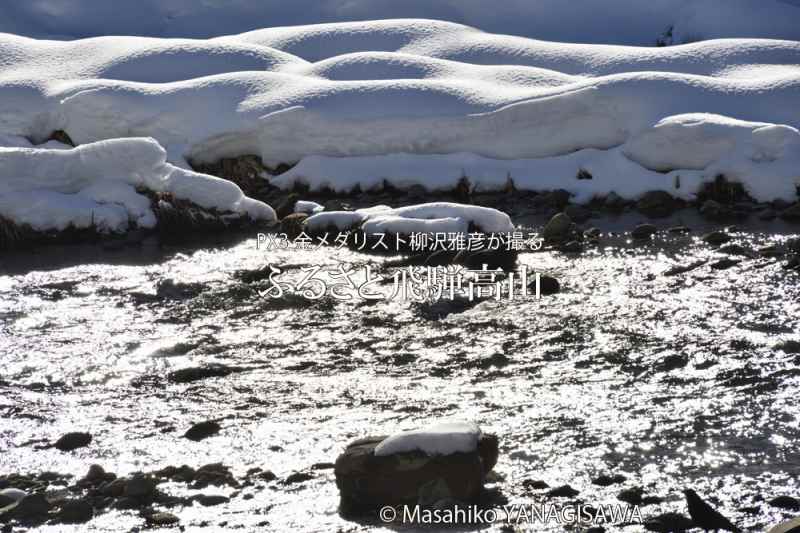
(677, 154)
(438, 439)
(611, 21)
(422, 101)
(435, 217)
(95, 184)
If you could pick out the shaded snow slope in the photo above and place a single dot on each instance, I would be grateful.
(95, 184)
(421, 101)
(588, 21)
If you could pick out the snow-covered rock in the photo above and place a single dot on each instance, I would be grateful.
(438, 439)
(307, 207)
(435, 217)
(95, 184)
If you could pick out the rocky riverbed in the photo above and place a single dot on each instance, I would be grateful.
(666, 361)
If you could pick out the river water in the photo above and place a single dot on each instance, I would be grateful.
(670, 381)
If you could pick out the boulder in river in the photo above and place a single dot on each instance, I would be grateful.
(441, 462)
(292, 225)
(73, 441)
(202, 430)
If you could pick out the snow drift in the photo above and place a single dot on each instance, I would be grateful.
(95, 185)
(587, 21)
(417, 102)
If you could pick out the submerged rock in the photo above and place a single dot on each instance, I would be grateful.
(368, 481)
(605, 480)
(564, 491)
(785, 502)
(669, 523)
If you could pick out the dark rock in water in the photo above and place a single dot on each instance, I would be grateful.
(632, 496)
(496, 360)
(367, 481)
(788, 346)
(210, 500)
(573, 247)
(73, 441)
(202, 430)
(682, 269)
(672, 362)
(605, 480)
(785, 502)
(547, 285)
(162, 519)
(256, 275)
(441, 258)
(215, 474)
(716, 237)
(293, 225)
(643, 231)
(168, 289)
(704, 516)
(657, 204)
(679, 229)
(505, 260)
(577, 213)
(535, 484)
(140, 486)
(97, 475)
(558, 229)
(714, 210)
(75, 512)
(286, 207)
(792, 213)
(737, 249)
(669, 523)
(725, 263)
(323, 466)
(196, 373)
(298, 477)
(113, 488)
(564, 491)
(33, 507)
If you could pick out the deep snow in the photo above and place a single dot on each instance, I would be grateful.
(94, 184)
(586, 21)
(416, 102)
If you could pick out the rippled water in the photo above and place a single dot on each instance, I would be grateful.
(588, 384)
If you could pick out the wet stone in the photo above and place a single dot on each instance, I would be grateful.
(162, 519)
(564, 491)
(197, 373)
(632, 496)
(202, 430)
(724, 263)
(669, 523)
(73, 441)
(535, 484)
(298, 477)
(210, 500)
(606, 480)
(140, 486)
(716, 237)
(657, 204)
(785, 502)
(643, 231)
(76, 511)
